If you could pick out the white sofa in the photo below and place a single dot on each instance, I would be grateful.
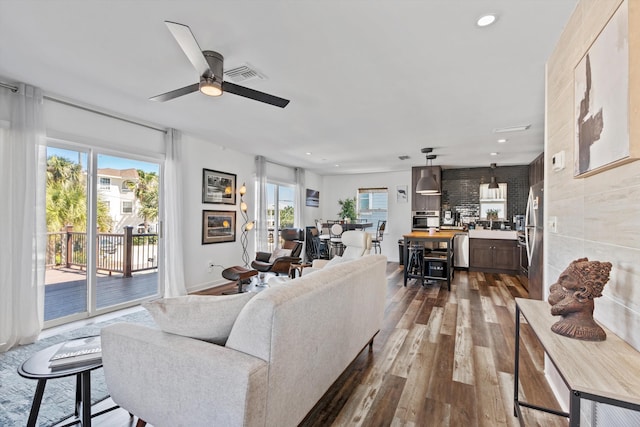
(287, 346)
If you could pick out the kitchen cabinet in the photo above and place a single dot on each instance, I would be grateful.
(494, 255)
(421, 202)
(536, 170)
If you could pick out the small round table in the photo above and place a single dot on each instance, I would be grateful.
(37, 368)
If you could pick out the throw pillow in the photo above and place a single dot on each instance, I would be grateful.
(277, 253)
(204, 317)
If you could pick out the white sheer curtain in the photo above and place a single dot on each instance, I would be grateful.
(300, 198)
(261, 204)
(172, 223)
(22, 218)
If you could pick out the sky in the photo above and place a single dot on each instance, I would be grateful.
(103, 160)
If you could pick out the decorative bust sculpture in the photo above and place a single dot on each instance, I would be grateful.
(572, 298)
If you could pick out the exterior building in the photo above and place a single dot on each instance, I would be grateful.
(114, 188)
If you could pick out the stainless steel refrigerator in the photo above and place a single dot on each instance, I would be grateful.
(534, 233)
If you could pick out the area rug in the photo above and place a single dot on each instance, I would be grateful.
(16, 393)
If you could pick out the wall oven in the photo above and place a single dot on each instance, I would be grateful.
(424, 220)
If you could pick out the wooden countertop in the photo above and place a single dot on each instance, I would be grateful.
(442, 234)
(609, 368)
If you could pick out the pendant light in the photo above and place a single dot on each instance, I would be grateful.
(494, 183)
(428, 183)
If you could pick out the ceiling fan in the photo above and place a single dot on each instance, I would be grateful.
(209, 65)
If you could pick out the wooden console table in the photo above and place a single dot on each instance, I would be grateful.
(606, 371)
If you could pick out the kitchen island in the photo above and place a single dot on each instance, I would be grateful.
(441, 256)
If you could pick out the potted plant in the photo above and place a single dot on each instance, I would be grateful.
(347, 209)
(492, 214)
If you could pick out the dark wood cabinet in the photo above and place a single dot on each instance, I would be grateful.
(536, 170)
(494, 256)
(421, 202)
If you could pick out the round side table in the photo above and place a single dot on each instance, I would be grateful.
(37, 368)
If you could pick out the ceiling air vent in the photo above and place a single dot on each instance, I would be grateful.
(243, 73)
(404, 157)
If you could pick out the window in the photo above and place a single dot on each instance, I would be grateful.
(493, 201)
(126, 186)
(127, 207)
(372, 204)
(105, 183)
(280, 210)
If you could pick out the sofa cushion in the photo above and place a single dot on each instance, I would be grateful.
(205, 317)
(279, 253)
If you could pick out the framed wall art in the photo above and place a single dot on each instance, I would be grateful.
(601, 101)
(313, 198)
(218, 226)
(402, 194)
(218, 187)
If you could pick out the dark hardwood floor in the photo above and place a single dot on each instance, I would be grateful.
(442, 359)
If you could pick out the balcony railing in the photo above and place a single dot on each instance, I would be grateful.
(123, 253)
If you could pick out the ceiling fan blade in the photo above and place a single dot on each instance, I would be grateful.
(189, 46)
(254, 94)
(176, 93)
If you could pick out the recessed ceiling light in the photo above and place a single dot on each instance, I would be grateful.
(336, 165)
(494, 154)
(486, 20)
(308, 153)
(502, 140)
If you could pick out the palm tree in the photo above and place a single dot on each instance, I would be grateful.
(66, 199)
(146, 192)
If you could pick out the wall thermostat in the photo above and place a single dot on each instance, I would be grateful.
(557, 161)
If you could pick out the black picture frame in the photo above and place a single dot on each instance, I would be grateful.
(218, 226)
(313, 198)
(218, 187)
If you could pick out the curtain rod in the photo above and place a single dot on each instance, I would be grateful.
(8, 86)
(13, 88)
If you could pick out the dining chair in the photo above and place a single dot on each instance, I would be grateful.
(335, 240)
(377, 240)
(324, 236)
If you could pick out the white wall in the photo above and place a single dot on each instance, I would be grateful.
(199, 154)
(596, 216)
(337, 187)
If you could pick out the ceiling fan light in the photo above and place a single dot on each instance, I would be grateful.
(210, 87)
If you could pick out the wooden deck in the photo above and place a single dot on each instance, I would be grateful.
(66, 290)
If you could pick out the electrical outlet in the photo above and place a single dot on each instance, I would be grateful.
(210, 266)
(553, 224)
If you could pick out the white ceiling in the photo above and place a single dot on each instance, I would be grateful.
(368, 80)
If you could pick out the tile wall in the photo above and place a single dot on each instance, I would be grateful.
(461, 188)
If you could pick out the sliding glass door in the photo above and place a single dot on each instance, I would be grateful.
(102, 219)
(280, 211)
(67, 207)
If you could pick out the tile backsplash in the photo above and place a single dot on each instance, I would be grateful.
(461, 188)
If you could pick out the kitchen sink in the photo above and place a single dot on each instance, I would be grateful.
(493, 234)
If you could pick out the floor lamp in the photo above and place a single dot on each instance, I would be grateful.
(246, 226)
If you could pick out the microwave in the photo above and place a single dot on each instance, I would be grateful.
(424, 220)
